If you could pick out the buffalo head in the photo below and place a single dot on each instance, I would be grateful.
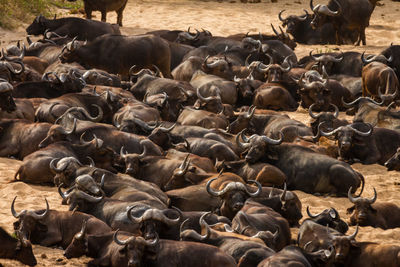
(315, 91)
(233, 196)
(31, 224)
(151, 221)
(347, 136)
(57, 133)
(393, 164)
(325, 60)
(6, 100)
(328, 119)
(362, 213)
(210, 103)
(329, 217)
(322, 13)
(256, 145)
(219, 66)
(64, 170)
(38, 26)
(242, 121)
(291, 22)
(132, 250)
(79, 200)
(274, 72)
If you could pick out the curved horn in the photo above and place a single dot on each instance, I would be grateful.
(44, 214)
(336, 114)
(312, 115)
(210, 190)
(373, 199)
(246, 62)
(202, 98)
(311, 5)
(167, 130)
(65, 195)
(271, 193)
(339, 59)
(51, 110)
(331, 132)
(144, 152)
(280, 18)
(54, 168)
(158, 72)
(351, 104)
(12, 69)
(350, 197)
(122, 242)
(250, 112)
(82, 232)
(362, 133)
(189, 36)
(99, 116)
(217, 63)
(289, 67)
(132, 218)
(273, 141)
(184, 166)
(311, 215)
(275, 31)
(364, 60)
(72, 130)
(13, 212)
(353, 236)
(90, 198)
(122, 153)
(144, 124)
(283, 195)
(259, 189)
(313, 57)
(82, 141)
(239, 143)
(91, 161)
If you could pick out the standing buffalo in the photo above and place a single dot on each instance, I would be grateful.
(104, 6)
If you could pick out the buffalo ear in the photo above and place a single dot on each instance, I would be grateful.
(355, 243)
(350, 210)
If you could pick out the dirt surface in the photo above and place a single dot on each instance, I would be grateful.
(221, 19)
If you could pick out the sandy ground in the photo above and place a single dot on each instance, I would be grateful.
(221, 19)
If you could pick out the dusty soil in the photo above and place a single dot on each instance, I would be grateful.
(221, 18)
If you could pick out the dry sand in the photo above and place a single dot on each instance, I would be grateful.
(221, 19)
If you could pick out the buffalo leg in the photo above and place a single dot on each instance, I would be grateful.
(88, 12)
(103, 15)
(119, 15)
(362, 36)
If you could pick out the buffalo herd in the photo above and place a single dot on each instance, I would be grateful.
(170, 148)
